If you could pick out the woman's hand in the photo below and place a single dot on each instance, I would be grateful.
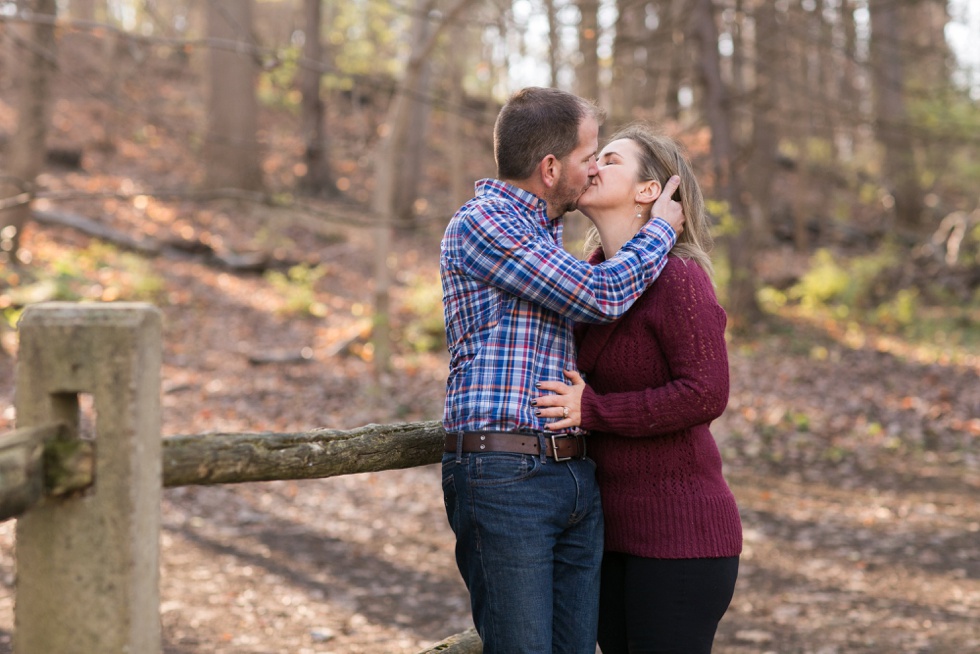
(565, 405)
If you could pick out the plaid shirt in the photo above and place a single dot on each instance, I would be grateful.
(510, 295)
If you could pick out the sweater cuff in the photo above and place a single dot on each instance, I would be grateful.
(587, 408)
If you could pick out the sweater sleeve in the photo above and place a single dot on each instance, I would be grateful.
(684, 319)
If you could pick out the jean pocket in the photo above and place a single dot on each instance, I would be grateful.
(499, 468)
(449, 495)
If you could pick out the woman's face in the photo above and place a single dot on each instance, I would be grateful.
(616, 184)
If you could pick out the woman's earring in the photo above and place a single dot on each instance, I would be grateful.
(639, 211)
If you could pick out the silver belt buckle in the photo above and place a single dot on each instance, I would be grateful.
(554, 447)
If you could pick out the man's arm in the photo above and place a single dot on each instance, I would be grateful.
(503, 252)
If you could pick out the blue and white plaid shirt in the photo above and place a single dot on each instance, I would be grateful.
(510, 295)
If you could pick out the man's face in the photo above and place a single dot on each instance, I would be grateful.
(577, 170)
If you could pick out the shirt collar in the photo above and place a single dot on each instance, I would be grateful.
(525, 199)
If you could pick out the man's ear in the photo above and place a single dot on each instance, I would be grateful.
(550, 171)
(648, 191)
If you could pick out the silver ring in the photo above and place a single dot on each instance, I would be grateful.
(564, 412)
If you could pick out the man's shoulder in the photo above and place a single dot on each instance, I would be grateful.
(504, 210)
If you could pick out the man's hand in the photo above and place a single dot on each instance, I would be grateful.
(669, 209)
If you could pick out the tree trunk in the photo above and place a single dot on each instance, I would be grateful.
(679, 58)
(231, 152)
(554, 42)
(743, 306)
(891, 117)
(648, 58)
(587, 75)
(622, 92)
(394, 136)
(766, 53)
(460, 185)
(318, 180)
(82, 9)
(848, 94)
(410, 150)
(828, 71)
(32, 80)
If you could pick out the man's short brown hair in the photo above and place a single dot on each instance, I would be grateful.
(534, 123)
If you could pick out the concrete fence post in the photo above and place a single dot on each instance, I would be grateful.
(88, 565)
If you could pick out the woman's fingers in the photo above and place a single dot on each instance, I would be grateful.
(555, 387)
(563, 403)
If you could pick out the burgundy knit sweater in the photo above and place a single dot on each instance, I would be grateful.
(657, 377)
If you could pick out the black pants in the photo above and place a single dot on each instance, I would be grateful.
(663, 606)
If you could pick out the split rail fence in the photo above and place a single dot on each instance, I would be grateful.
(88, 510)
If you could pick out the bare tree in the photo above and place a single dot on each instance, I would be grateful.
(891, 114)
(26, 149)
(554, 41)
(411, 151)
(587, 74)
(677, 55)
(848, 94)
(460, 186)
(231, 151)
(742, 304)
(765, 56)
(387, 159)
(625, 73)
(318, 179)
(82, 9)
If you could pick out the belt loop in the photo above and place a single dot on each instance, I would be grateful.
(459, 447)
(543, 447)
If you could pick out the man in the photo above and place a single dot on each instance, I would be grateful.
(524, 504)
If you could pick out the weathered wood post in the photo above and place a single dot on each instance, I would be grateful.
(88, 565)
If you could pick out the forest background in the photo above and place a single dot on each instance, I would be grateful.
(276, 175)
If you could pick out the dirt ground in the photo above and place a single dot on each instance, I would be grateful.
(856, 469)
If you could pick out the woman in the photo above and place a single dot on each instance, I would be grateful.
(656, 379)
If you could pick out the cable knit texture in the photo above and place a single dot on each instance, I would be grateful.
(656, 379)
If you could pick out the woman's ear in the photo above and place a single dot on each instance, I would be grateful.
(648, 192)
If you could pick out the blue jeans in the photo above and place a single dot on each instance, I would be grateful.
(529, 547)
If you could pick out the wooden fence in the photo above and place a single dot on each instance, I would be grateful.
(88, 528)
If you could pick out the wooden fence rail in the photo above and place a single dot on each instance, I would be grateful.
(39, 462)
(88, 531)
(231, 458)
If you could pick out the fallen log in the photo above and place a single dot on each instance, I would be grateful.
(241, 262)
(95, 229)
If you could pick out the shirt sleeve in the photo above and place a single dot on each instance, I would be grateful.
(501, 249)
(689, 326)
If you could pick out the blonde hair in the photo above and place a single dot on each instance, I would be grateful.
(660, 158)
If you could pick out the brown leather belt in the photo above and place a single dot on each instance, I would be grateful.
(560, 447)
